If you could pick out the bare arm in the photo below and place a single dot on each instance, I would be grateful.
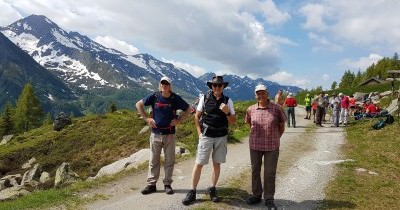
(140, 108)
(197, 116)
(182, 116)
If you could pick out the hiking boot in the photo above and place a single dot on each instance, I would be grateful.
(149, 189)
(213, 194)
(253, 200)
(270, 204)
(168, 189)
(190, 198)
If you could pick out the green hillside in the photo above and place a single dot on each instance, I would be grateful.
(94, 141)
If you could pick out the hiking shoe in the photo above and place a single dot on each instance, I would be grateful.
(253, 200)
(270, 204)
(149, 189)
(213, 194)
(168, 189)
(190, 198)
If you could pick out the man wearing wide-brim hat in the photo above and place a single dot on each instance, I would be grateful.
(213, 115)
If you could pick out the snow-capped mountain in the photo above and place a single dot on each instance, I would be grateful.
(83, 63)
(99, 75)
(17, 68)
(242, 88)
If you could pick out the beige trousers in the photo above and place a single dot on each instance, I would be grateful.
(167, 144)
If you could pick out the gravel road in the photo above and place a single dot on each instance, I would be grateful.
(307, 159)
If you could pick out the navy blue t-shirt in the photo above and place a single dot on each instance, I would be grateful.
(164, 111)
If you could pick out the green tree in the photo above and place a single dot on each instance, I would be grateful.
(333, 86)
(113, 108)
(358, 79)
(48, 120)
(6, 121)
(347, 79)
(28, 111)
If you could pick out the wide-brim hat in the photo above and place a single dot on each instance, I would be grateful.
(217, 80)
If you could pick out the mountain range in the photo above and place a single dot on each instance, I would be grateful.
(79, 74)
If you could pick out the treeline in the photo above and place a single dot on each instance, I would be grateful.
(378, 70)
(25, 115)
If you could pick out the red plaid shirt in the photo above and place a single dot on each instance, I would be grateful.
(265, 122)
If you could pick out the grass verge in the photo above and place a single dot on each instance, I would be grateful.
(372, 181)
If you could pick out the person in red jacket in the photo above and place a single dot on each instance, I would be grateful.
(290, 103)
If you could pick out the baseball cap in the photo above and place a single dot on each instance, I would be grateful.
(260, 87)
(166, 79)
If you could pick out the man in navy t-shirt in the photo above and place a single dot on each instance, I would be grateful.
(162, 121)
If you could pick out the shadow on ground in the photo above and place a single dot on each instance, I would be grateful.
(234, 198)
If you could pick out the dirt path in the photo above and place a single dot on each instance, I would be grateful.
(305, 166)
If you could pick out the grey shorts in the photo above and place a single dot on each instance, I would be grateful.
(215, 145)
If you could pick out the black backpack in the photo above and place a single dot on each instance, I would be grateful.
(389, 119)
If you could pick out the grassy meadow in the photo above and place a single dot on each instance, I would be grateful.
(90, 143)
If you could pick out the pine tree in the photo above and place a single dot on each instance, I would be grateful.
(48, 120)
(6, 122)
(333, 86)
(357, 80)
(113, 108)
(28, 111)
(347, 79)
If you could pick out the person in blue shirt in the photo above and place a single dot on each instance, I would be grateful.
(162, 120)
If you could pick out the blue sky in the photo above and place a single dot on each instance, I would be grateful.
(306, 43)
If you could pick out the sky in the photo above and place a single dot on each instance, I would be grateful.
(305, 43)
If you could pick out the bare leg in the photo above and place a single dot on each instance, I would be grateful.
(215, 173)
(196, 175)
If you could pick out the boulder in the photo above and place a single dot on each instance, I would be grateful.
(65, 176)
(31, 177)
(13, 180)
(44, 177)
(61, 121)
(29, 163)
(13, 193)
(132, 161)
(6, 139)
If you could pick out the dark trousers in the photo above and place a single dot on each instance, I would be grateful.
(319, 116)
(290, 116)
(270, 164)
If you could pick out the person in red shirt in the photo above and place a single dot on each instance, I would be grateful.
(314, 107)
(371, 110)
(290, 103)
(267, 124)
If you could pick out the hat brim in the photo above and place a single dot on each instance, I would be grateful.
(210, 83)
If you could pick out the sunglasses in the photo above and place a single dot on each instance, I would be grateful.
(217, 85)
(164, 82)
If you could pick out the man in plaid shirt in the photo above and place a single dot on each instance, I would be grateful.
(267, 124)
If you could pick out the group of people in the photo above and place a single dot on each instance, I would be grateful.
(340, 107)
(213, 114)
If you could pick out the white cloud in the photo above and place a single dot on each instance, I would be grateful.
(228, 32)
(193, 70)
(119, 45)
(286, 78)
(314, 16)
(373, 25)
(322, 43)
(8, 14)
(361, 64)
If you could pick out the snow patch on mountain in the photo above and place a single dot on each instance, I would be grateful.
(137, 61)
(64, 41)
(25, 41)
